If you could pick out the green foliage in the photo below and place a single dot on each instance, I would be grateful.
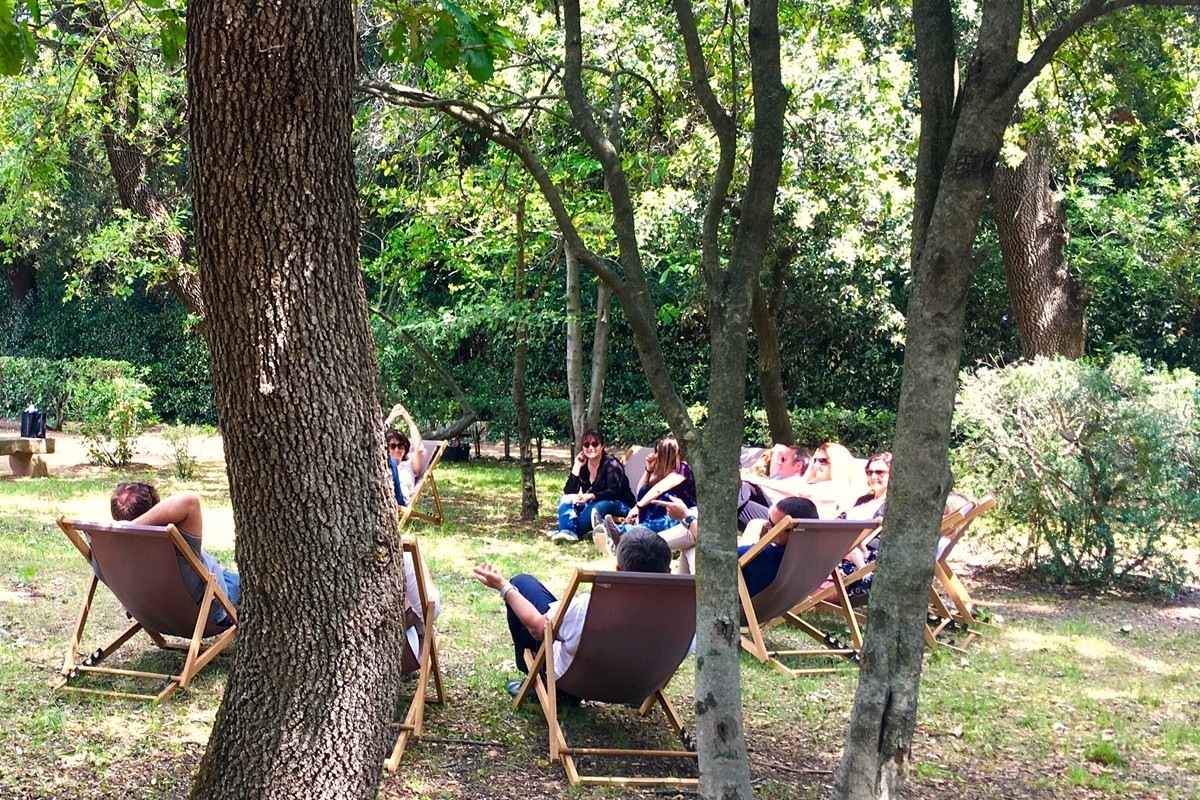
(1097, 466)
(114, 413)
(16, 39)
(447, 35)
(179, 437)
(50, 384)
(862, 430)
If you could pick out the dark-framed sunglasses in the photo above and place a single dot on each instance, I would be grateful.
(592, 444)
(877, 472)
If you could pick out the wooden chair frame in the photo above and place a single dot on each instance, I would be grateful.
(817, 597)
(198, 656)
(541, 680)
(428, 667)
(959, 612)
(411, 511)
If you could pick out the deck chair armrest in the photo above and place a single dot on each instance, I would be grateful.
(767, 538)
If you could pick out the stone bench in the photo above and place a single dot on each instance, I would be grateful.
(24, 455)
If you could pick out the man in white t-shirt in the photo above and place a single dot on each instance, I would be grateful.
(759, 493)
(529, 604)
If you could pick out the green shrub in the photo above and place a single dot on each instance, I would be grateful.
(1096, 465)
(114, 413)
(47, 383)
(179, 437)
(861, 430)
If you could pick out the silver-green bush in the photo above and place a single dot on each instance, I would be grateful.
(1094, 467)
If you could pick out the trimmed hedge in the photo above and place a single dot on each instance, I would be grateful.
(47, 382)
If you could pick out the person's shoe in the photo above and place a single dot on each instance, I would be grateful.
(565, 537)
(595, 518)
(550, 534)
(514, 689)
(600, 539)
(613, 532)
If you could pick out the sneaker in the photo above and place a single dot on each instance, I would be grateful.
(550, 533)
(595, 519)
(613, 532)
(564, 537)
(600, 539)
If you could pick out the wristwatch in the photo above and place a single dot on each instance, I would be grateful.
(688, 520)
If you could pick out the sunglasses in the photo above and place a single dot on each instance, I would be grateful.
(821, 460)
(877, 472)
(395, 446)
(591, 444)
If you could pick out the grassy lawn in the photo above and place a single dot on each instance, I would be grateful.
(1073, 696)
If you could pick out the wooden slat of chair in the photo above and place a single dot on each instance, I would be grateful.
(429, 665)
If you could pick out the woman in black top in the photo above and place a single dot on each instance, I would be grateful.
(596, 486)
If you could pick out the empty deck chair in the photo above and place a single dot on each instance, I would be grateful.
(638, 629)
(956, 611)
(434, 450)
(423, 662)
(813, 551)
(139, 564)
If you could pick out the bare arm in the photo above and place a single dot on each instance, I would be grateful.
(416, 452)
(533, 620)
(181, 510)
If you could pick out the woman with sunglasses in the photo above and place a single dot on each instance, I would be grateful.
(870, 506)
(596, 486)
(831, 480)
(404, 469)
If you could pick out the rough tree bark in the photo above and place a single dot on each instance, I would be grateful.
(575, 392)
(317, 668)
(770, 360)
(961, 133)
(600, 336)
(1049, 302)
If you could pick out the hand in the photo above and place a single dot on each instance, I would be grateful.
(676, 508)
(489, 576)
(581, 459)
(651, 461)
(632, 517)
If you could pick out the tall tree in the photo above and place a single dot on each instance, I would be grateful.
(1049, 302)
(317, 668)
(962, 128)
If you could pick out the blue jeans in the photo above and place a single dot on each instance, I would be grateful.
(760, 572)
(653, 516)
(579, 518)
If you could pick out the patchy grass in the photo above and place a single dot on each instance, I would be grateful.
(1062, 701)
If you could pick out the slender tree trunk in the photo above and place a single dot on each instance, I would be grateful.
(599, 356)
(575, 392)
(770, 368)
(529, 500)
(317, 668)
(21, 276)
(1049, 303)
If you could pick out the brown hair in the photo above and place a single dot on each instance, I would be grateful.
(666, 451)
(130, 500)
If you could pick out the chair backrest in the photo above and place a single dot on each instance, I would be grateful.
(750, 456)
(138, 563)
(635, 464)
(638, 629)
(968, 514)
(814, 549)
(434, 449)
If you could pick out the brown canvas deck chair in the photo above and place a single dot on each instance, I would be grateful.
(138, 563)
(424, 664)
(433, 455)
(813, 551)
(638, 630)
(956, 611)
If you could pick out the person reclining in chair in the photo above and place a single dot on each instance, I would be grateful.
(138, 503)
(529, 604)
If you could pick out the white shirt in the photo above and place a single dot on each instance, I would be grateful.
(570, 629)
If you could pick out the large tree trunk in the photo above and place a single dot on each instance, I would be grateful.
(770, 369)
(21, 276)
(317, 668)
(1049, 303)
(961, 134)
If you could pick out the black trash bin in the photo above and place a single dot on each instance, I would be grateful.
(33, 423)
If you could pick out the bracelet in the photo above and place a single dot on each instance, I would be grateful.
(504, 593)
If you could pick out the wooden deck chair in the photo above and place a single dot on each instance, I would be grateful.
(424, 663)
(638, 629)
(957, 611)
(813, 551)
(138, 563)
(433, 455)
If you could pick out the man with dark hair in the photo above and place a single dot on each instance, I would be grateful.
(529, 604)
(762, 570)
(138, 503)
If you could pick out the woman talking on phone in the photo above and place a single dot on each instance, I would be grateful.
(596, 486)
